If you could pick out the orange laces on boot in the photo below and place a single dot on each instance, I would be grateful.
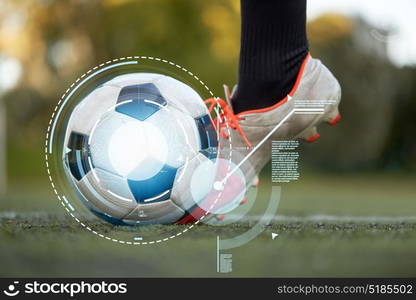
(226, 118)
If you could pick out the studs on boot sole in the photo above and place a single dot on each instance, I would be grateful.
(310, 135)
(335, 120)
(244, 201)
(220, 217)
(255, 182)
(313, 138)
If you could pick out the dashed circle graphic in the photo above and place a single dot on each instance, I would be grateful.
(55, 116)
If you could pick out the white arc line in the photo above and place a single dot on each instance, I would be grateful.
(218, 254)
(155, 103)
(157, 197)
(74, 90)
(50, 140)
(119, 197)
(67, 202)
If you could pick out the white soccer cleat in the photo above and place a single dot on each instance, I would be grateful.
(245, 138)
(314, 99)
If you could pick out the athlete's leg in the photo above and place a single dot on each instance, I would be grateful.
(273, 46)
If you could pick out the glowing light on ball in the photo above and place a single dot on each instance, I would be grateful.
(137, 147)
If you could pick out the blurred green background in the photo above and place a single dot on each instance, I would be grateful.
(366, 166)
(56, 41)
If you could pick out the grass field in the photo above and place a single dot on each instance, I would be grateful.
(328, 225)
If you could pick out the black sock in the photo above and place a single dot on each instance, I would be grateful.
(273, 47)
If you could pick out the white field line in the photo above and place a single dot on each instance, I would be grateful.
(279, 218)
(335, 218)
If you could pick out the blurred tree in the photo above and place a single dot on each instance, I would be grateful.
(371, 87)
(55, 41)
(400, 150)
(2, 148)
(10, 71)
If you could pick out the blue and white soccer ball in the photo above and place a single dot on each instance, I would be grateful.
(132, 146)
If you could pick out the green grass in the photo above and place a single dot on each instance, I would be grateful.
(52, 244)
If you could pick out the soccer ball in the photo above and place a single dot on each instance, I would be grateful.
(132, 146)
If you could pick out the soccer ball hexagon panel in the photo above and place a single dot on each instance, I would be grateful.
(128, 142)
